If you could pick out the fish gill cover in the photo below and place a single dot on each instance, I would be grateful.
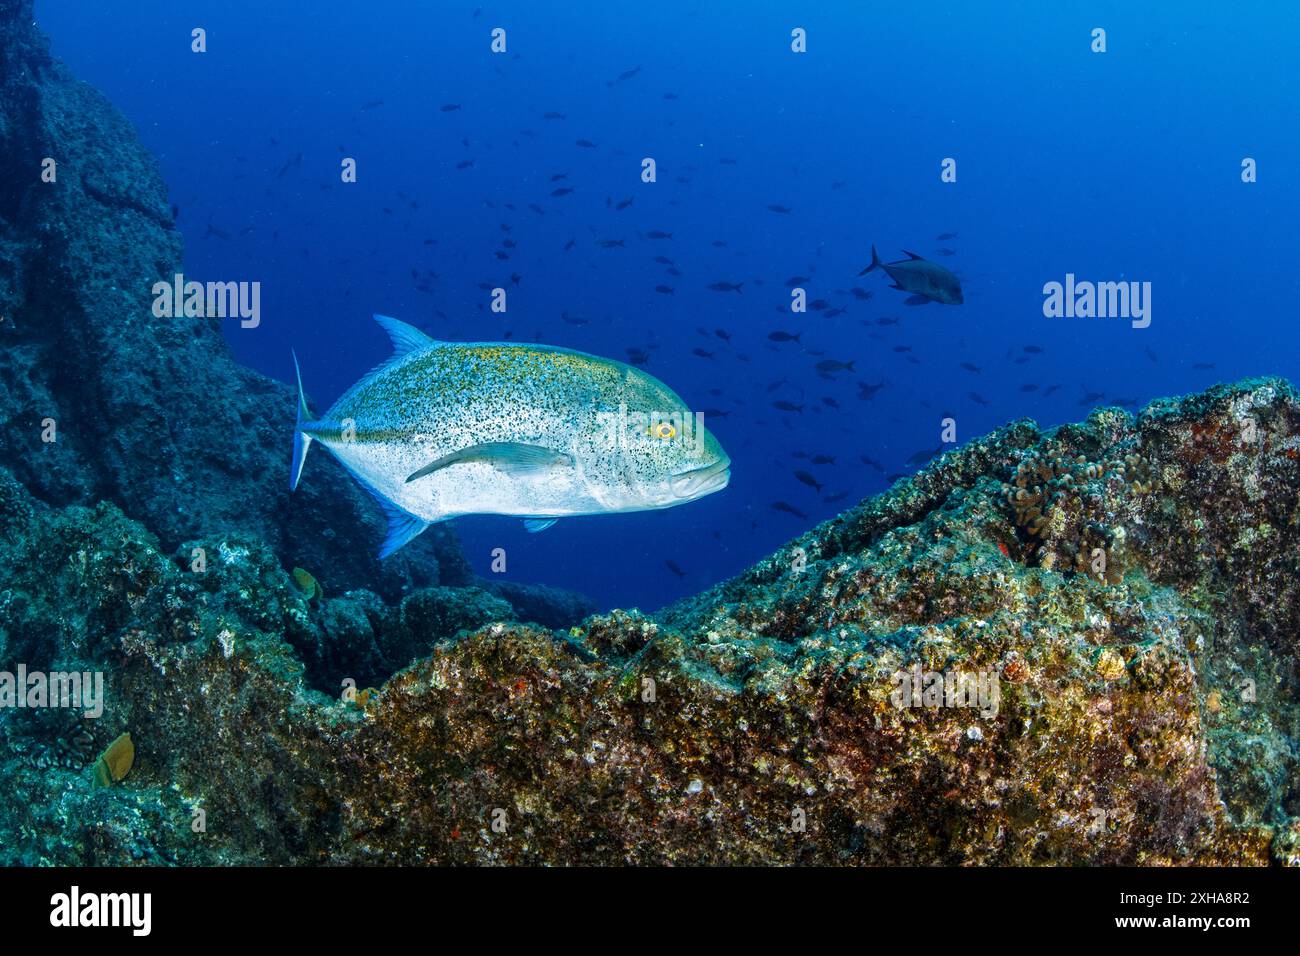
(896, 621)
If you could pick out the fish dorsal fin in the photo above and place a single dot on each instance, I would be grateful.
(514, 458)
(534, 525)
(406, 338)
(910, 255)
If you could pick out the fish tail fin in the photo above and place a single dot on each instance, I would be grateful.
(301, 440)
(875, 261)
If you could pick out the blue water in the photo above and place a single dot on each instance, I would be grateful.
(1120, 165)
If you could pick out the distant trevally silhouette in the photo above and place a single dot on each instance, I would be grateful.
(919, 276)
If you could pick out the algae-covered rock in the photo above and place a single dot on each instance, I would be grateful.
(1101, 670)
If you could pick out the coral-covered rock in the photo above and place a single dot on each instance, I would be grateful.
(913, 682)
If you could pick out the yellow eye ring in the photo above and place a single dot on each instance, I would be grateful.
(664, 430)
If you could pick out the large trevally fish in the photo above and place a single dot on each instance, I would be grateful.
(923, 278)
(445, 429)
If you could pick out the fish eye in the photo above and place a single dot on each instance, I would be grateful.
(664, 431)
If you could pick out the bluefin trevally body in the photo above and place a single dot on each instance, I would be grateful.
(920, 277)
(445, 429)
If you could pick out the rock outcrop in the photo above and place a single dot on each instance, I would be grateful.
(1130, 706)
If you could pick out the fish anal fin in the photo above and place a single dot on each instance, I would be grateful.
(402, 527)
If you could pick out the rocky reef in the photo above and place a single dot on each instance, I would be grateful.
(150, 413)
(1135, 706)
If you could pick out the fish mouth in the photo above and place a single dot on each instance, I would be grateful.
(702, 481)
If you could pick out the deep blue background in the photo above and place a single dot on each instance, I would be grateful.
(1122, 165)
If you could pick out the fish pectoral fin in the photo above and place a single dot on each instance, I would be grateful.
(514, 458)
(534, 525)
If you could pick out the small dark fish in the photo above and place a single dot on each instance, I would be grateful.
(701, 353)
(865, 391)
(465, 164)
(945, 236)
(1034, 349)
(562, 191)
(978, 399)
(871, 463)
(789, 509)
(296, 161)
(945, 252)
(1029, 387)
(625, 76)
(672, 566)
(214, 231)
(863, 294)
(838, 496)
(726, 286)
(779, 336)
(585, 144)
(796, 281)
(785, 406)
(552, 115)
(611, 243)
(658, 234)
(569, 245)
(449, 107)
(809, 480)
(1202, 366)
(1091, 398)
(971, 368)
(722, 334)
(831, 366)
(574, 319)
(823, 459)
(623, 205)
(558, 176)
(664, 289)
(370, 105)
(783, 210)
(924, 455)
(637, 356)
